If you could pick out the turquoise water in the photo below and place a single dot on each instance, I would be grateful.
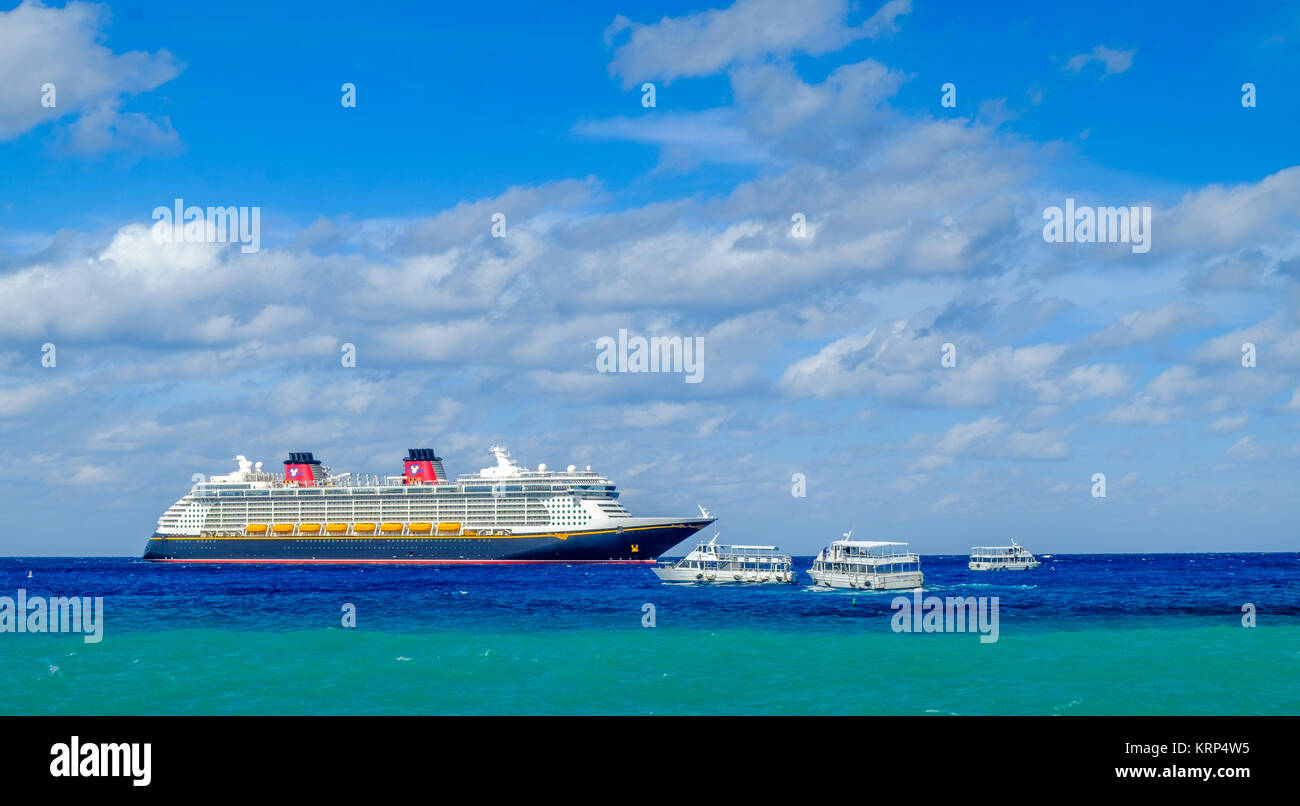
(1085, 635)
(1211, 669)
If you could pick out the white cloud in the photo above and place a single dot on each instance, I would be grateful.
(991, 376)
(1247, 448)
(1226, 425)
(1141, 327)
(1113, 61)
(990, 437)
(103, 127)
(921, 231)
(883, 362)
(949, 503)
(16, 401)
(1226, 349)
(1220, 218)
(1155, 404)
(1096, 380)
(715, 135)
(706, 42)
(660, 413)
(995, 112)
(40, 45)
(1140, 412)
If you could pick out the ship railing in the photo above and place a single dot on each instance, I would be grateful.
(998, 551)
(378, 531)
(755, 561)
(874, 559)
(908, 564)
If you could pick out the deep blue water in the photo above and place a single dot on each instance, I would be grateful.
(1069, 591)
(1090, 634)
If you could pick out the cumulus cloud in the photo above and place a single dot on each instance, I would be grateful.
(901, 364)
(884, 362)
(1141, 327)
(920, 232)
(63, 47)
(992, 438)
(704, 43)
(1221, 219)
(1172, 394)
(990, 376)
(23, 399)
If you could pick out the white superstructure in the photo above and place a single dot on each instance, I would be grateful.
(502, 499)
(712, 563)
(867, 565)
(1014, 557)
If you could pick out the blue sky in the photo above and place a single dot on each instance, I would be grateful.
(822, 353)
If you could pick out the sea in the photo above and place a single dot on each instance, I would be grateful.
(1119, 634)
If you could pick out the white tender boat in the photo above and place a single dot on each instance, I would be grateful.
(1014, 557)
(867, 565)
(712, 563)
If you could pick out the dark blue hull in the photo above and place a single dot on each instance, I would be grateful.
(635, 544)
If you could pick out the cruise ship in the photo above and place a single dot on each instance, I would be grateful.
(501, 514)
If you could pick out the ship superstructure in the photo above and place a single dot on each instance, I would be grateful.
(1014, 557)
(502, 513)
(867, 565)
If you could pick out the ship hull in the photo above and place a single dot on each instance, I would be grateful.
(683, 576)
(880, 582)
(640, 544)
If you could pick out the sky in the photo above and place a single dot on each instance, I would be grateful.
(824, 403)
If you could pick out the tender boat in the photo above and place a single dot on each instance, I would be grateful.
(712, 563)
(867, 565)
(1014, 557)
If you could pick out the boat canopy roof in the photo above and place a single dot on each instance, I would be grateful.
(866, 544)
